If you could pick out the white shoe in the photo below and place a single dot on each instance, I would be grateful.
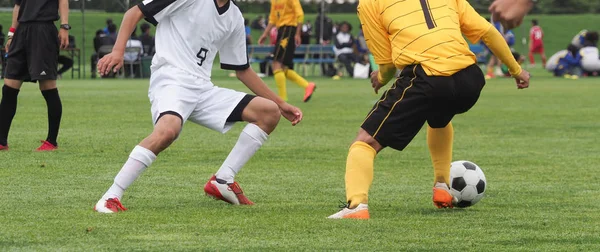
(359, 212)
(111, 205)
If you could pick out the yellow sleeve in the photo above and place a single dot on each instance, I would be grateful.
(375, 35)
(298, 11)
(472, 25)
(272, 14)
(495, 41)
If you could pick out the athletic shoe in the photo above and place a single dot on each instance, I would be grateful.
(47, 146)
(442, 198)
(360, 212)
(230, 193)
(2, 147)
(111, 205)
(308, 92)
(489, 76)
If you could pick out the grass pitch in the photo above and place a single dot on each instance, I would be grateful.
(538, 148)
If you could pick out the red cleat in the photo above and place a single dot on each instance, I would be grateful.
(308, 92)
(3, 148)
(47, 146)
(230, 193)
(112, 205)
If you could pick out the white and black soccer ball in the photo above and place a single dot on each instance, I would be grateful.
(467, 183)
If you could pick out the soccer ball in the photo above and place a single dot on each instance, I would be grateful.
(467, 183)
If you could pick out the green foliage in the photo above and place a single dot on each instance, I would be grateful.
(538, 148)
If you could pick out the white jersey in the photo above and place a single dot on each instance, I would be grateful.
(189, 33)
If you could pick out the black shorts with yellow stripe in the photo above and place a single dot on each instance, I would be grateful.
(286, 46)
(416, 98)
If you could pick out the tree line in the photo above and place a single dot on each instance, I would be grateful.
(542, 6)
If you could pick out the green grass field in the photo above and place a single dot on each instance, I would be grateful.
(538, 148)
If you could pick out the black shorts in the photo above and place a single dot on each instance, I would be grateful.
(416, 98)
(286, 46)
(33, 52)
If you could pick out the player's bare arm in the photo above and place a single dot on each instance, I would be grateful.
(261, 39)
(300, 19)
(510, 12)
(495, 41)
(14, 25)
(63, 34)
(114, 60)
(255, 83)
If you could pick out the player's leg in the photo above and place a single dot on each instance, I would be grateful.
(466, 86)
(262, 116)
(165, 132)
(394, 121)
(43, 64)
(16, 71)
(172, 104)
(278, 58)
(543, 55)
(531, 57)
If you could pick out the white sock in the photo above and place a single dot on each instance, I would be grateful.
(139, 159)
(251, 139)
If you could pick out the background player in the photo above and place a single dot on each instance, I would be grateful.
(180, 89)
(287, 16)
(439, 79)
(536, 43)
(33, 47)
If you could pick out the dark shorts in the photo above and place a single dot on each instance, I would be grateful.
(33, 52)
(285, 46)
(416, 98)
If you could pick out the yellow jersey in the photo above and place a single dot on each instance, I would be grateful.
(425, 32)
(286, 13)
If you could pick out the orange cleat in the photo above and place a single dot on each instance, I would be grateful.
(442, 198)
(230, 193)
(47, 146)
(3, 148)
(308, 92)
(111, 205)
(360, 212)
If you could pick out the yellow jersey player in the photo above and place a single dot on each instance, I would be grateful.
(287, 16)
(439, 78)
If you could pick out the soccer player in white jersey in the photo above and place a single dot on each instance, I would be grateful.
(189, 34)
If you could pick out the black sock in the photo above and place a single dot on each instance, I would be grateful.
(54, 114)
(8, 108)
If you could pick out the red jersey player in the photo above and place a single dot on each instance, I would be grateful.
(536, 44)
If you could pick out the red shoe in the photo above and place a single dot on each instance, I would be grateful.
(111, 205)
(3, 148)
(308, 92)
(230, 193)
(442, 198)
(47, 146)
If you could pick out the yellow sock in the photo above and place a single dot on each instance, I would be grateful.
(440, 148)
(296, 78)
(280, 82)
(359, 172)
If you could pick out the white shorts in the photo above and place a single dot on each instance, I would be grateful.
(195, 99)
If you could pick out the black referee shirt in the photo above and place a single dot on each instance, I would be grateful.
(37, 10)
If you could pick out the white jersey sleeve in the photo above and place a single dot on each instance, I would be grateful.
(156, 10)
(233, 52)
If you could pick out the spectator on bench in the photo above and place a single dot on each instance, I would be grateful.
(132, 57)
(66, 62)
(100, 40)
(344, 48)
(147, 39)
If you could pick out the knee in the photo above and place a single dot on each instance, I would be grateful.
(165, 136)
(271, 114)
(363, 136)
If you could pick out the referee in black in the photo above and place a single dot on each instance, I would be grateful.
(32, 51)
